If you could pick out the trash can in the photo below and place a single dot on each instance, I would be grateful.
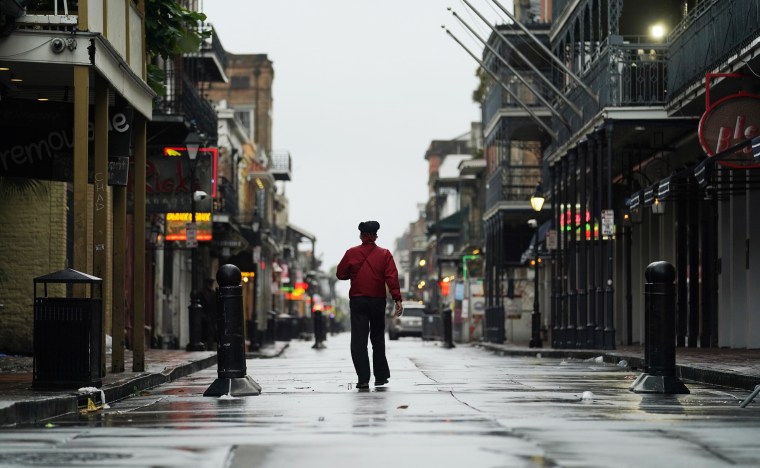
(493, 327)
(431, 326)
(68, 333)
(284, 327)
(271, 334)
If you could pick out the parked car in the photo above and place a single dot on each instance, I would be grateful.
(410, 322)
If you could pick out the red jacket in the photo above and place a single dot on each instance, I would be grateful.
(369, 278)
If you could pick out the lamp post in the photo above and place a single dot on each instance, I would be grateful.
(253, 325)
(536, 202)
(193, 142)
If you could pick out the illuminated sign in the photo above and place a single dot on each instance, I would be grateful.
(211, 153)
(248, 274)
(176, 226)
(729, 122)
(168, 182)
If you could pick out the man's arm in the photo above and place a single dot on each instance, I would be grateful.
(391, 277)
(343, 272)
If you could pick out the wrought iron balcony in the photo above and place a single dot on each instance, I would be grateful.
(281, 165)
(511, 183)
(497, 98)
(184, 103)
(50, 14)
(713, 30)
(209, 63)
(627, 72)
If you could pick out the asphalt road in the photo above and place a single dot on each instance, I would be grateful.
(463, 408)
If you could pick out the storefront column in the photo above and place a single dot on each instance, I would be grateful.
(554, 256)
(682, 212)
(591, 289)
(562, 306)
(138, 262)
(101, 201)
(595, 291)
(694, 273)
(572, 322)
(582, 338)
(609, 291)
(709, 333)
(80, 207)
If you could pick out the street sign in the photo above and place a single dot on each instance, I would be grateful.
(551, 239)
(608, 222)
(256, 257)
(192, 238)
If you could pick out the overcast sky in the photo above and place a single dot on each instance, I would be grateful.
(361, 88)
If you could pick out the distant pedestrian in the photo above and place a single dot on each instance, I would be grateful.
(370, 269)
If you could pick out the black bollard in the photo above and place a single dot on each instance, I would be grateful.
(232, 378)
(660, 333)
(448, 329)
(195, 313)
(318, 336)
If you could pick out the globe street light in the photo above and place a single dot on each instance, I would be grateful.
(536, 202)
(193, 143)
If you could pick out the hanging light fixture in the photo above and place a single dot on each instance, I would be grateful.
(537, 199)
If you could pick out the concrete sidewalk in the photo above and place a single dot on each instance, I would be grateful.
(738, 368)
(20, 404)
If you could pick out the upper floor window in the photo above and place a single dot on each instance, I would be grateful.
(239, 82)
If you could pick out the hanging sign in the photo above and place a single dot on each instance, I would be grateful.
(728, 122)
(608, 222)
(551, 239)
(191, 232)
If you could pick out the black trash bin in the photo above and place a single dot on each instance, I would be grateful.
(68, 333)
(284, 327)
(431, 326)
(493, 327)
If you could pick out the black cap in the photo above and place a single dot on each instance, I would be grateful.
(369, 227)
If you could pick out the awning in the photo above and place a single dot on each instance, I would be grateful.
(451, 223)
(302, 232)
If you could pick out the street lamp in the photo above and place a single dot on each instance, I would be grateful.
(193, 143)
(536, 202)
(537, 199)
(253, 324)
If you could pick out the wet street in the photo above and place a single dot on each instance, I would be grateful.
(464, 408)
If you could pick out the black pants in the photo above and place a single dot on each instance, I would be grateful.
(368, 319)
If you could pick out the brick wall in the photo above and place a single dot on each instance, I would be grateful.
(33, 239)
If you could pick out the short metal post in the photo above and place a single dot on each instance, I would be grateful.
(195, 311)
(660, 349)
(448, 332)
(231, 370)
(318, 337)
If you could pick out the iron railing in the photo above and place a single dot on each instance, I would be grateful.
(281, 165)
(714, 30)
(214, 45)
(628, 72)
(497, 98)
(511, 182)
(183, 99)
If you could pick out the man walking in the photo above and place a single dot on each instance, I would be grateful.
(370, 269)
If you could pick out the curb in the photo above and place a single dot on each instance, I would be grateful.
(683, 371)
(258, 355)
(33, 411)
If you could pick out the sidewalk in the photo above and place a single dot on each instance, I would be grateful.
(20, 404)
(738, 368)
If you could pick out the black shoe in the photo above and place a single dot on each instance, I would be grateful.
(380, 382)
(362, 385)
